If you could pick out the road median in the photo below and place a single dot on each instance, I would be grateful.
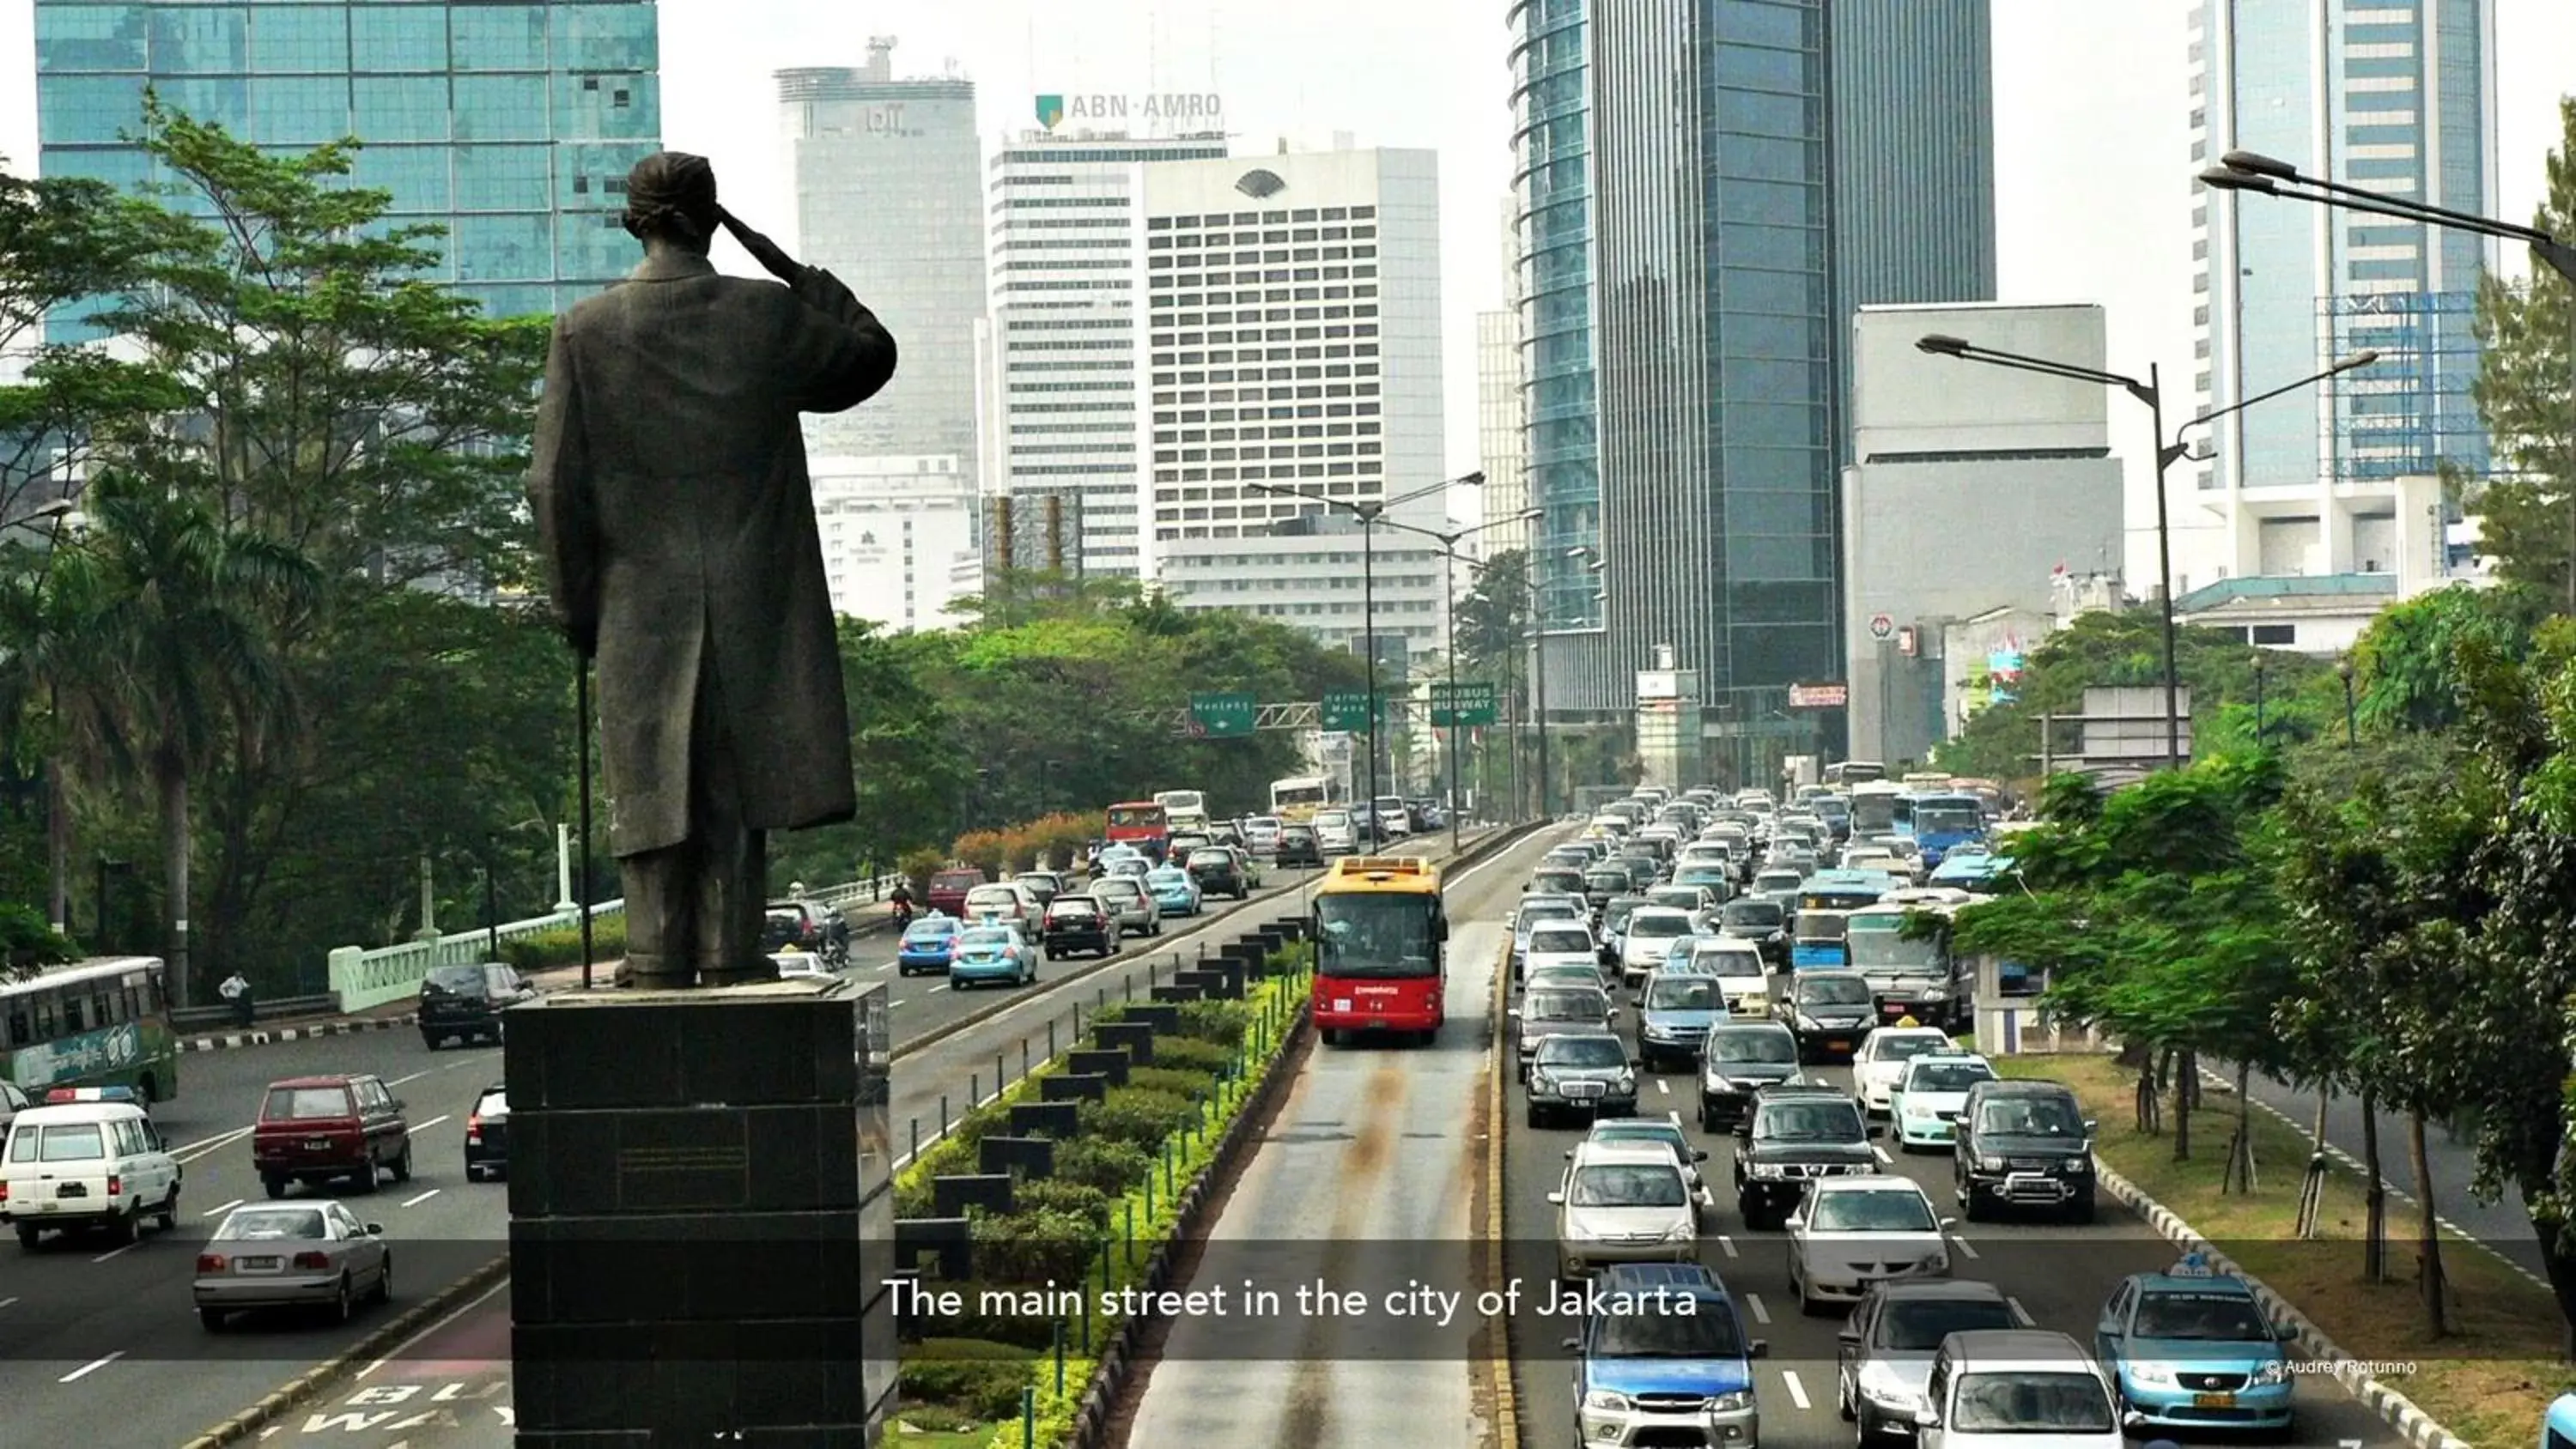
(2485, 1382)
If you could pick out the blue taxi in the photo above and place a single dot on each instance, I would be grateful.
(2558, 1426)
(1174, 893)
(2189, 1348)
(927, 945)
(1663, 1354)
(992, 951)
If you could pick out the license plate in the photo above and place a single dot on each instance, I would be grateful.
(1892, 1008)
(317, 1144)
(1341, 1003)
(1838, 1044)
(1377, 1023)
(256, 1265)
(70, 1189)
(2213, 1401)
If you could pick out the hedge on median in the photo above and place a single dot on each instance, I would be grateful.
(544, 950)
(1132, 1159)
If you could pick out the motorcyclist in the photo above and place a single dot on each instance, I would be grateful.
(901, 905)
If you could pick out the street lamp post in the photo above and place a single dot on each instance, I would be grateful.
(1369, 514)
(2351, 731)
(1449, 587)
(2259, 730)
(2268, 176)
(2167, 453)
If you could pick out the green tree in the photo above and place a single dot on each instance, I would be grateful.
(2408, 658)
(180, 648)
(2527, 513)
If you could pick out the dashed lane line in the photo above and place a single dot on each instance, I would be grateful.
(432, 1122)
(216, 1212)
(414, 1077)
(424, 1197)
(1881, 1154)
(1727, 1243)
(93, 1366)
(2020, 1314)
(1761, 1314)
(5, 1302)
(1797, 1390)
(1966, 1247)
(115, 1253)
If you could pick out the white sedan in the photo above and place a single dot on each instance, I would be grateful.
(1925, 1105)
(1853, 1232)
(1881, 1061)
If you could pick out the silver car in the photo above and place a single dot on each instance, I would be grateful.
(1884, 1354)
(1128, 903)
(1623, 1204)
(1558, 1011)
(288, 1255)
(1561, 943)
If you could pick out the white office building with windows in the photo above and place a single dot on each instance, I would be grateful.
(899, 538)
(1067, 261)
(1293, 347)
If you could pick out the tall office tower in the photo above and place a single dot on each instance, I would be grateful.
(1066, 255)
(1913, 154)
(1711, 405)
(1552, 149)
(1502, 414)
(2398, 97)
(1294, 347)
(511, 125)
(890, 200)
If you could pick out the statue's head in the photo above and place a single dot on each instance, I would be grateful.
(671, 197)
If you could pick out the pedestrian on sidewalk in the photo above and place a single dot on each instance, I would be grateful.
(236, 994)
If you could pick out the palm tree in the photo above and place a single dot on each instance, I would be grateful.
(177, 613)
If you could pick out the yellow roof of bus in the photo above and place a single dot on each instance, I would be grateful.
(1406, 873)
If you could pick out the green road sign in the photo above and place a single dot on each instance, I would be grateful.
(1462, 704)
(1223, 716)
(1345, 711)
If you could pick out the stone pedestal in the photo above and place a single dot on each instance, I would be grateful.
(701, 1217)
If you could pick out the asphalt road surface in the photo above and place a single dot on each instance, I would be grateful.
(78, 1337)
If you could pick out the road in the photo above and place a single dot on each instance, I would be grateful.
(1366, 1177)
(2502, 1225)
(2056, 1275)
(78, 1336)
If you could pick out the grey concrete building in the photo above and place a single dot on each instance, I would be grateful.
(1972, 491)
(890, 198)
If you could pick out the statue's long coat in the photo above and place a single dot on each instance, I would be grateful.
(677, 523)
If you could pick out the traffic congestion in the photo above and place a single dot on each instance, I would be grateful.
(1749, 1115)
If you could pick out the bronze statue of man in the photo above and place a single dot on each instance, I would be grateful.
(677, 524)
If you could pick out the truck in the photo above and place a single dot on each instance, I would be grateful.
(1798, 770)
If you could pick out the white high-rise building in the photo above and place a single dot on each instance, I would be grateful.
(889, 198)
(2397, 98)
(1294, 348)
(899, 537)
(1067, 256)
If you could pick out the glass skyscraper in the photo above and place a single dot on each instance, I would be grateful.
(2395, 96)
(1552, 154)
(513, 125)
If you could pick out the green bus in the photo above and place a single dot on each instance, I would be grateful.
(101, 1023)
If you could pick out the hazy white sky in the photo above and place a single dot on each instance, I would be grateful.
(2093, 164)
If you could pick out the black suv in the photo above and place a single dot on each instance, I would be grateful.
(2026, 1144)
(1832, 1011)
(1793, 1136)
(1077, 923)
(487, 1135)
(465, 1002)
(1218, 871)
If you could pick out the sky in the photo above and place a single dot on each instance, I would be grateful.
(2091, 101)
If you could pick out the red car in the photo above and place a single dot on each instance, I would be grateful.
(948, 889)
(316, 1129)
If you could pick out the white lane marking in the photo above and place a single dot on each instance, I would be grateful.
(432, 1122)
(1881, 1154)
(5, 1302)
(1663, 1086)
(414, 1077)
(216, 1212)
(424, 1197)
(1676, 1116)
(1760, 1313)
(1797, 1390)
(85, 1370)
(1727, 1243)
(891, 1005)
(406, 1345)
(1966, 1247)
(942, 986)
(2019, 1312)
(201, 1148)
(114, 1253)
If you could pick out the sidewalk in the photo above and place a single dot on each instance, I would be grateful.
(867, 918)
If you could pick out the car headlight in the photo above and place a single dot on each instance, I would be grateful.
(1627, 1081)
(1989, 1164)
(2275, 1372)
(1807, 1023)
(1766, 1169)
(1680, 1233)
(1602, 1401)
(1734, 1403)
(1936, 1263)
(1916, 1110)
(1541, 1082)
(2153, 1375)
(1937, 993)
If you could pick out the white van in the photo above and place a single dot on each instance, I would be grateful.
(1335, 833)
(94, 1165)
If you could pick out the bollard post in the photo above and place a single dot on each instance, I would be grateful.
(1024, 1056)
(1059, 1358)
(997, 1073)
(1127, 983)
(1130, 1206)
(1102, 997)
(916, 1136)
(1050, 1038)
(1028, 1417)
(943, 1114)
(1151, 978)
(974, 1091)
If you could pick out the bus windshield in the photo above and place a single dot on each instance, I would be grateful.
(1880, 940)
(1948, 817)
(1136, 817)
(1389, 933)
